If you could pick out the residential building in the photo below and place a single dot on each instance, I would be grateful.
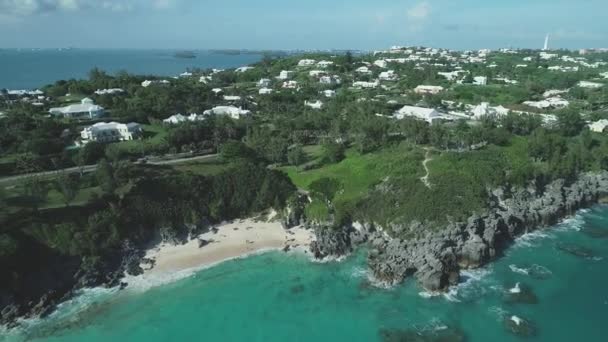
(148, 83)
(388, 76)
(363, 70)
(366, 85)
(381, 63)
(265, 91)
(86, 109)
(591, 85)
(232, 98)
(285, 75)
(599, 126)
(325, 64)
(426, 89)
(264, 83)
(244, 69)
(179, 118)
(109, 91)
(427, 114)
(290, 84)
(316, 73)
(480, 80)
(107, 132)
(306, 62)
(314, 105)
(551, 102)
(329, 93)
(230, 111)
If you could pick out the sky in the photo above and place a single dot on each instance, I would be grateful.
(304, 24)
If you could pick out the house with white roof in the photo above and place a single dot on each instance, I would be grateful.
(590, 85)
(263, 83)
(232, 98)
(290, 85)
(148, 83)
(107, 132)
(484, 110)
(230, 111)
(244, 69)
(325, 64)
(285, 75)
(86, 109)
(363, 70)
(329, 93)
(265, 91)
(381, 63)
(179, 118)
(551, 102)
(306, 62)
(109, 91)
(599, 126)
(314, 105)
(185, 74)
(480, 80)
(427, 89)
(554, 92)
(217, 90)
(427, 114)
(366, 85)
(335, 79)
(316, 73)
(388, 76)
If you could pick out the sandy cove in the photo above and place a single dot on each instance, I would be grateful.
(227, 241)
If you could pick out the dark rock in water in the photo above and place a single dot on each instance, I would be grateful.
(440, 334)
(596, 233)
(286, 248)
(519, 326)
(297, 289)
(521, 294)
(576, 250)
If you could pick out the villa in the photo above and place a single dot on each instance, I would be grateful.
(388, 76)
(263, 83)
(231, 111)
(427, 114)
(306, 62)
(232, 98)
(179, 118)
(314, 105)
(148, 83)
(325, 64)
(316, 73)
(290, 85)
(285, 75)
(265, 91)
(363, 70)
(599, 126)
(381, 63)
(330, 79)
(551, 102)
(107, 132)
(329, 93)
(86, 109)
(244, 69)
(426, 89)
(109, 91)
(590, 85)
(480, 80)
(365, 85)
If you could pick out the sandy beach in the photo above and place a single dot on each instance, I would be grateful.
(227, 241)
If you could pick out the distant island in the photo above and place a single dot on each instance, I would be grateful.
(185, 54)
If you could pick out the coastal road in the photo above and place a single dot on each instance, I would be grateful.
(92, 168)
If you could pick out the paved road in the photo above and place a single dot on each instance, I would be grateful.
(91, 168)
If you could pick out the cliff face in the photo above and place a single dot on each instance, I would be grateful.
(435, 260)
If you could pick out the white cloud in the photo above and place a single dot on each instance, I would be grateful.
(420, 11)
(23, 8)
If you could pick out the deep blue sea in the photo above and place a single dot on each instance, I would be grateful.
(279, 297)
(29, 69)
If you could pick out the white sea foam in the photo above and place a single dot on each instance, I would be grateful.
(530, 239)
(516, 319)
(359, 272)
(519, 270)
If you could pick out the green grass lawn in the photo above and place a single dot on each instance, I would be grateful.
(154, 136)
(207, 167)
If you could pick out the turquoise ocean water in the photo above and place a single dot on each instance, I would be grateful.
(29, 69)
(278, 297)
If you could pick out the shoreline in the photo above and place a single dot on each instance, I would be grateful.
(227, 241)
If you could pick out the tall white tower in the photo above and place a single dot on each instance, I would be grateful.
(546, 43)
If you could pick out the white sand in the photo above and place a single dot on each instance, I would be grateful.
(232, 240)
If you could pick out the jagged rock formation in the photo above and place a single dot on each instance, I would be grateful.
(436, 258)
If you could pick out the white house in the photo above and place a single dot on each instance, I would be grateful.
(388, 76)
(285, 75)
(554, 92)
(179, 118)
(290, 84)
(551, 102)
(265, 91)
(426, 89)
(36, 92)
(381, 63)
(86, 109)
(335, 79)
(216, 90)
(106, 132)
(599, 126)
(366, 85)
(244, 69)
(450, 76)
(148, 83)
(263, 83)
(480, 80)
(306, 62)
(109, 91)
(230, 111)
(314, 105)
(329, 93)
(363, 70)
(185, 74)
(316, 73)
(484, 109)
(521, 66)
(232, 98)
(325, 64)
(426, 114)
(590, 85)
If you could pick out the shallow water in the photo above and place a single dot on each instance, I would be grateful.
(29, 69)
(272, 297)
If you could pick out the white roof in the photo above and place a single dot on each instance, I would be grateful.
(599, 126)
(427, 114)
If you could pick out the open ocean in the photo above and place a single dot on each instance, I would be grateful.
(278, 297)
(30, 69)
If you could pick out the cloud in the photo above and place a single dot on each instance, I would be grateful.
(420, 11)
(22, 8)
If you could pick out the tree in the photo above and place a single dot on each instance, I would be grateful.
(35, 192)
(90, 153)
(570, 123)
(235, 150)
(296, 155)
(105, 176)
(67, 185)
(333, 152)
